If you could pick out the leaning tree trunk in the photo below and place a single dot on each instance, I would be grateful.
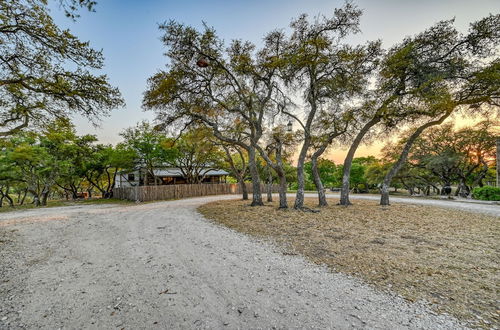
(269, 185)
(479, 180)
(317, 181)
(254, 174)
(384, 198)
(6, 196)
(21, 202)
(314, 162)
(278, 167)
(239, 174)
(344, 193)
(9, 199)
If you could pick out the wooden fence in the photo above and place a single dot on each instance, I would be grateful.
(176, 191)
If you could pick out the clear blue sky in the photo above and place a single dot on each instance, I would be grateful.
(127, 31)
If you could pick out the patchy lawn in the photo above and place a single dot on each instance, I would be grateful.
(57, 203)
(449, 258)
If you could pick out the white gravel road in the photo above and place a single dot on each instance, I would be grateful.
(163, 266)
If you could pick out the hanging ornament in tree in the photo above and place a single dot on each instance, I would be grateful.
(202, 62)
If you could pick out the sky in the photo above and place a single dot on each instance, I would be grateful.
(127, 32)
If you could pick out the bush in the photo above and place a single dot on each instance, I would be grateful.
(486, 193)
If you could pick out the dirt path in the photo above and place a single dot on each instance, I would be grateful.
(161, 265)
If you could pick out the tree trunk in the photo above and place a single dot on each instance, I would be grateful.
(278, 167)
(384, 199)
(112, 186)
(21, 202)
(45, 196)
(344, 193)
(254, 173)
(480, 176)
(384, 194)
(240, 174)
(243, 186)
(282, 191)
(269, 185)
(317, 181)
(299, 197)
(464, 189)
(9, 199)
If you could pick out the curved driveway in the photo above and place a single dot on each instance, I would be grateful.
(163, 266)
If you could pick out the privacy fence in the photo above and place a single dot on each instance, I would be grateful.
(176, 191)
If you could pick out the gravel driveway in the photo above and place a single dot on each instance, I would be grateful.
(162, 266)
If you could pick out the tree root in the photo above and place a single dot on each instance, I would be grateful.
(306, 209)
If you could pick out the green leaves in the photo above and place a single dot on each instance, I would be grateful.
(36, 82)
(148, 147)
(327, 172)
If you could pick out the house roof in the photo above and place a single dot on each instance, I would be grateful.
(176, 172)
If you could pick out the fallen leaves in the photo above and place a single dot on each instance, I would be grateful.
(447, 257)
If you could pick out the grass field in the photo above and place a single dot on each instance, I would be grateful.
(446, 257)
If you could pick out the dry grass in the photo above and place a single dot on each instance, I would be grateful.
(449, 258)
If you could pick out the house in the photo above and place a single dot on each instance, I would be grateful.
(166, 176)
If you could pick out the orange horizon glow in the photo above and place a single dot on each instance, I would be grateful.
(337, 155)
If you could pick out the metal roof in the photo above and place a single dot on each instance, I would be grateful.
(176, 172)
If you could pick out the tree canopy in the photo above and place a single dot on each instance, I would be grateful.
(46, 72)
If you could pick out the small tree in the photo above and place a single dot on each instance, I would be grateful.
(196, 154)
(152, 149)
(236, 163)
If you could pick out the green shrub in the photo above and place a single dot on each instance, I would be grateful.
(486, 193)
